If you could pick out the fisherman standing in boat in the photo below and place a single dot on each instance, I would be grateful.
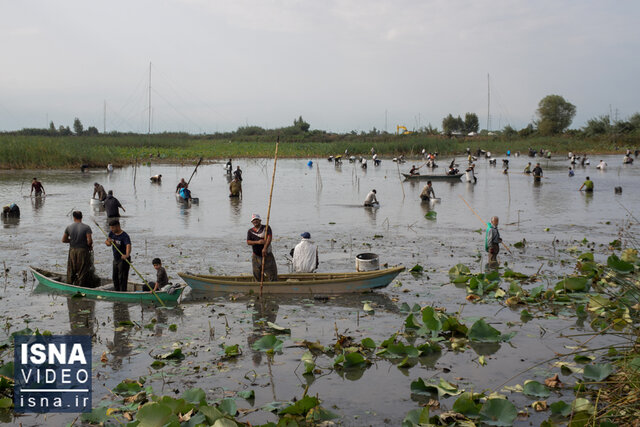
(492, 241)
(259, 238)
(427, 192)
(305, 255)
(371, 199)
(120, 243)
(37, 187)
(78, 235)
(99, 191)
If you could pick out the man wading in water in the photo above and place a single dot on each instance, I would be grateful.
(259, 238)
(492, 241)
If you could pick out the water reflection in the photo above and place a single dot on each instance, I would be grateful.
(371, 213)
(235, 205)
(120, 347)
(8, 222)
(484, 348)
(37, 203)
(264, 310)
(81, 315)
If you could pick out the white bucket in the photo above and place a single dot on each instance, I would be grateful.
(367, 262)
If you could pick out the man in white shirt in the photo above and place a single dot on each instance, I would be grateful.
(305, 255)
(371, 199)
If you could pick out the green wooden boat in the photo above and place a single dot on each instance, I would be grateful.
(54, 281)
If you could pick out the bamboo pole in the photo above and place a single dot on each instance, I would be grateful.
(481, 220)
(131, 265)
(266, 228)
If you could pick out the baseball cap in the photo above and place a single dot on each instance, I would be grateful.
(255, 216)
(306, 235)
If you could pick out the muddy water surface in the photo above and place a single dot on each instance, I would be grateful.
(326, 201)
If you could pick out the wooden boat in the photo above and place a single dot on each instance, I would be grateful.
(441, 177)
(54, 281)
(295, 283)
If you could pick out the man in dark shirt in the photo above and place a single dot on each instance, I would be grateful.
(111, 206)
(78, 235)
(537, 173)
(37, 187)
(121, 244)
(259, 238)
(237, 174)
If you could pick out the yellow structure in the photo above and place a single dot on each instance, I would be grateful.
(404, 128)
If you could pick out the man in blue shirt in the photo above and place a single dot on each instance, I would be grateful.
(121, 244)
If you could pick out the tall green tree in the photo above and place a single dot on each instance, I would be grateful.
(555, 114)
(301, 124)
(77, 126)
(471, 123)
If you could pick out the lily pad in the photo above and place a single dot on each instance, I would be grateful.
(155, 414)
(247, 394)
(459, 273)
(278, 328)
(416, 269)
(598, 371)
(232, 350)
(368, 343)
(443, 388)
(573, 284)
(466, 405)
(228, 406)
(268, 343)
(482, 332)
(498, 412)
(195, 396)
(301, 407)
(618, 265)
(431, 215)
(416, 418)
(535, 389)
(560, 408)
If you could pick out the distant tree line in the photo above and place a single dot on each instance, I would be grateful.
(452, 124)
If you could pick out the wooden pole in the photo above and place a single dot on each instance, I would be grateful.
(400, 177)
(131, 265)
(481, 220)
(266, 228)
(194, 171)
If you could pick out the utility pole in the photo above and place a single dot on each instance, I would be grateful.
(104, 117)
(385, 121)
(488, 104)
(149, 130)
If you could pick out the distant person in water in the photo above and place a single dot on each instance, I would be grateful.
(229, 167)
(181, 184)
(11, 211)
(492, 241)
(587, 185)
(571, 172)
(537, 173)
(156, 179)
(427, 192)
(371, 199)
(79, 237)
(237, 174)
(37, 187)
(112, 206)
(98, 190)
(235, 188)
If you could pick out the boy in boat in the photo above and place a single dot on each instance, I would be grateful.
(78, 235)
(259, 238)
(121, 244)
(414, 171)
(37, 187)
(99, 190)
(427, 192)
(161, 275)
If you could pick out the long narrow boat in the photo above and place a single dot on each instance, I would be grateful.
(295, 283)
(441, 177)
(54, 281)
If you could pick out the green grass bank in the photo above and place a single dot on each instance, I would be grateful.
(41, 152)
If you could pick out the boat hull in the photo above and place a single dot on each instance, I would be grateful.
(442, 177)
(297, 283)
(48, 280)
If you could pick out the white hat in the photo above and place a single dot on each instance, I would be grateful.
(255, 216)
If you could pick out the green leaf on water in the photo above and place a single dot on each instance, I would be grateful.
(580, 358)
(174, 355)
(228, 406)
(431, 215)
(459, 273)
(560, 408)
(232, 350)
(301, 407)
(498, 412)
(247, 394)
(157, 364)
(416, 269)
(173, 327)
(268, 343)
(6, 402)
(127, 387)
(431, 319)
(354, 360)
(195, 396)
(535, 389)
(483, 332)
(368, 343)
(598, 371)
(411, 323)
(7, 370)
(573, 284)
(443, 388)
(416, 418)
(586, 256)
(525, 316)
(618, 265)
(96, 416)
(466, 406)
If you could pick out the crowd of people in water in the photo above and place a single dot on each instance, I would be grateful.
(305, 258)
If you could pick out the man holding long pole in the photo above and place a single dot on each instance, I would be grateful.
(259, 238)
(121, 244)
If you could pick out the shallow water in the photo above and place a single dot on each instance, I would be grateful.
(325, 201)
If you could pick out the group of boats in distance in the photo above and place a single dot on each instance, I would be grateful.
(293, 283)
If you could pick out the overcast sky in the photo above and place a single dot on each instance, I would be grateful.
(342, 65)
